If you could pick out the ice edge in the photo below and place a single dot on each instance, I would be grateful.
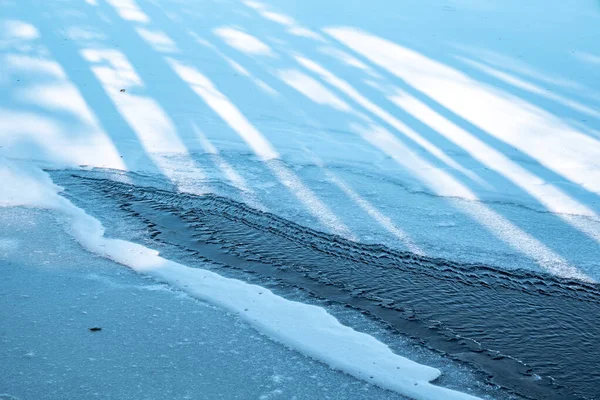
(306, 328)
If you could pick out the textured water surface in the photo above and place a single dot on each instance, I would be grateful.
(531, 333)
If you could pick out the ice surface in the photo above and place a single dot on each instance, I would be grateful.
(155, 342)
(434, 110)
(382, 123)
(307, 328)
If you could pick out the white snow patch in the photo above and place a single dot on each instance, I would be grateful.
(243, 41)
(312, 89)
(292, 26)
(255, 5)
(84, 33)
(34, 65)
(18, 30)
(347, 59)
(129, 10)
(530, 87)
(547, 194)
(305, 32)
(154, 128)
(532, 130)
(368, 105)
(158, 40)
(279, 18)
(225, 109)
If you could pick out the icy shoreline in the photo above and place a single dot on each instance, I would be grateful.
(306, 328)
(155, 342)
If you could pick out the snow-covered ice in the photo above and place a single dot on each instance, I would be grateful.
(155, 342)
(465, 130)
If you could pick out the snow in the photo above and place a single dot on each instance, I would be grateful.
(529, 129)
(155, 342)
(387, 124)
(243, 41)
(312, 89)
(306, 328)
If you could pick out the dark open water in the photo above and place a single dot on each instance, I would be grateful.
(533, 334)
